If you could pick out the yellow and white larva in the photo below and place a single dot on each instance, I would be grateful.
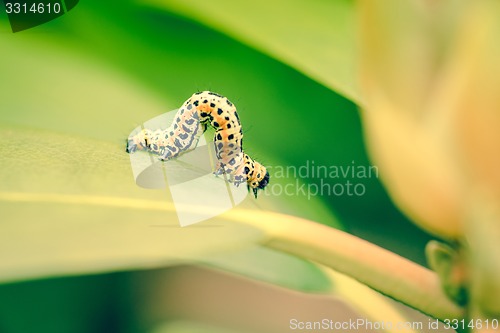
(200, 110)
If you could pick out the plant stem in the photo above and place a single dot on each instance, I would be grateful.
(380, 269)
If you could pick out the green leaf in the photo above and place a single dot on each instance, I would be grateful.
(316, 38)
(70, 206)
(261, 263)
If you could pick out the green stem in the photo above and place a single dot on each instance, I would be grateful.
(380, 269)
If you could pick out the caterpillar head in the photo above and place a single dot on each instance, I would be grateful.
(263, 183)
(259, 180)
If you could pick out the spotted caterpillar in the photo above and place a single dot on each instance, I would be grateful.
(199, 111)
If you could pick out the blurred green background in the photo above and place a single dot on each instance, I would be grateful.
(74, 88)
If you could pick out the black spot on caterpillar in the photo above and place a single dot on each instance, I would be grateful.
(190, 122)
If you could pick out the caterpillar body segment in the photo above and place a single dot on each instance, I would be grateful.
(181, 136)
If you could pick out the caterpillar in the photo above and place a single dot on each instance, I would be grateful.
(201, 110)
